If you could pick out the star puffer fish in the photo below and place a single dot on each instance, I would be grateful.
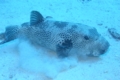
(65, 38)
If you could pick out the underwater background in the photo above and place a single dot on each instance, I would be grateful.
(21, 61)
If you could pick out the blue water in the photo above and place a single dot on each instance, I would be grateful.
(19, 60)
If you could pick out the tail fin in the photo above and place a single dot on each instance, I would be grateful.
(10, 34)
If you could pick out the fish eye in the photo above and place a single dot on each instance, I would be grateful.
(102, 51)
(86, 37)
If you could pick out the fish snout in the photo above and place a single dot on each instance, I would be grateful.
(99, 47)
(103, 45)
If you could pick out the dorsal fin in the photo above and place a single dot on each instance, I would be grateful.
(35, 18)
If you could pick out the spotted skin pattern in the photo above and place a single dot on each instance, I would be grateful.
(65, 38)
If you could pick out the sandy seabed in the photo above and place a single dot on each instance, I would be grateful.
(20, 61)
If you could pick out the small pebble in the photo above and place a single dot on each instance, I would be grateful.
(114, 33)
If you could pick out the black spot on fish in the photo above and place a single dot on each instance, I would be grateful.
(93, 34)
(60, 24)
(64, 48)
(74, 26)
(26, 24)
(86, 37)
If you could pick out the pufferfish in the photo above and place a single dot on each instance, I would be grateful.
(65, 38)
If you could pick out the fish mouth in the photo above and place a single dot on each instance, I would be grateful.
(103, 46)
(2, 38)
(99, 48)
(1, 41)
(93, 54)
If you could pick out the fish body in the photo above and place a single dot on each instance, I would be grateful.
(65, 38)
